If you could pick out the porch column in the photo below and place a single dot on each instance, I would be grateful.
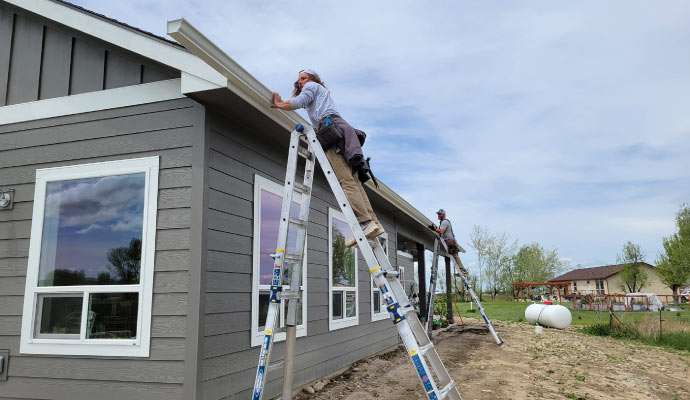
(421, 279)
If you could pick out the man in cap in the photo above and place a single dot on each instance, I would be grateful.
(445, 229)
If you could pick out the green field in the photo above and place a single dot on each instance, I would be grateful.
(515, 311)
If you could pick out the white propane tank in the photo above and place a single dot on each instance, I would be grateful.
(553, 316)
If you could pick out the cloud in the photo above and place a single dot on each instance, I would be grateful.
(564, 123)
(113, 203)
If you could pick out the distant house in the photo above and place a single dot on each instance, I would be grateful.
(607, 280)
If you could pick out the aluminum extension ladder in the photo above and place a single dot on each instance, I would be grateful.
(437, 385)
(432, 288)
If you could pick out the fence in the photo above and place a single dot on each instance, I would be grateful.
(622, 302)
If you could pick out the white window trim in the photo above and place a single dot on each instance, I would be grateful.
(261, 183)
(383, 312)
(138, 347)
(334, 324)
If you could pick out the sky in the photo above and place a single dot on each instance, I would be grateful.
(558, 122)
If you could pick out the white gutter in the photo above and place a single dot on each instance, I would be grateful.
(255, 93)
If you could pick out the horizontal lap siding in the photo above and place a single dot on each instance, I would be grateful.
(161, 129)
(40, 59)
(229, 364)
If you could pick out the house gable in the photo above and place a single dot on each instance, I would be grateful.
(41, 59)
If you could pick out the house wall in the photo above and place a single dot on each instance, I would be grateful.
(229, 363)
(653, 284)
(40, 59)
(165, 129)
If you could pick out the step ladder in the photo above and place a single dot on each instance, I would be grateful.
(433, 375)
(439, 242)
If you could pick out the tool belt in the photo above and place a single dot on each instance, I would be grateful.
(328, 134)
(452, 246)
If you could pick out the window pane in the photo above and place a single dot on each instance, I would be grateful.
(268, 233)
(350, 304)
(112, 316)
(92, 231)
(337, 305)
(264, 298)
(343, 258)
(60, 314)
(377, 302)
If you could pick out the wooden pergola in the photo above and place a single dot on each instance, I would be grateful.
(519, 288)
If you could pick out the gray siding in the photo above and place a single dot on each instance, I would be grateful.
(40, 59)
(164, 129)
(229, 363)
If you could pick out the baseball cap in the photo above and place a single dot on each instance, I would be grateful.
(441, 211)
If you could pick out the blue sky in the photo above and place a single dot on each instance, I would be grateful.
(565, 123)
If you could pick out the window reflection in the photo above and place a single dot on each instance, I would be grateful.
(271, 205)
(343, 258)
(112, 316)
(92, 230)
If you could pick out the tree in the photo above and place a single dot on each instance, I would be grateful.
(673, 266)
(533, 263)
(499, 254)
(125, 262)
(633, 276)
(479, 238)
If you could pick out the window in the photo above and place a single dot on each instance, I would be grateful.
(378, 304)
(574, 286)
(90, 269)
(342, 274)
(600, 287)
(268, 201)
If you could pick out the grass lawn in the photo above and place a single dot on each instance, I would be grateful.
(515, 311)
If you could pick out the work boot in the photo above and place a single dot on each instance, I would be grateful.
(371, 229)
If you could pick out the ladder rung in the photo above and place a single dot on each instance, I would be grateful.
(390, 272)
(446, 389)
(291, 295)
(424, 349)
(301, 188)
(275, 367)
(297, 222)
(292, 258)
(304, 152)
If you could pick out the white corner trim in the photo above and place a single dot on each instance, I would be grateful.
(239, 81)
(122, 37)
(192, 83)
(92, 101)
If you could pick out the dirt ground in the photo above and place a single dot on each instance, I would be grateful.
(553, 365)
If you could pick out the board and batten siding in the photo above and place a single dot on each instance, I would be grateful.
(237, 154)
(165, 129)
(40, 59)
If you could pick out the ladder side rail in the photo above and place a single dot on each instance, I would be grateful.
(295, 275)
(475, 299)
(431, 297)
(296, 270)
(276, 281)
(400, 321)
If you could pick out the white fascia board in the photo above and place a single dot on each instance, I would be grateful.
(92, 101)
(239, 81)
(192, 83)
(122, 37)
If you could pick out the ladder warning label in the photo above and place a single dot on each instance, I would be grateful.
(426, 382)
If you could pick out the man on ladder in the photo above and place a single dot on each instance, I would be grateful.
(445, 229)
(342, 144)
